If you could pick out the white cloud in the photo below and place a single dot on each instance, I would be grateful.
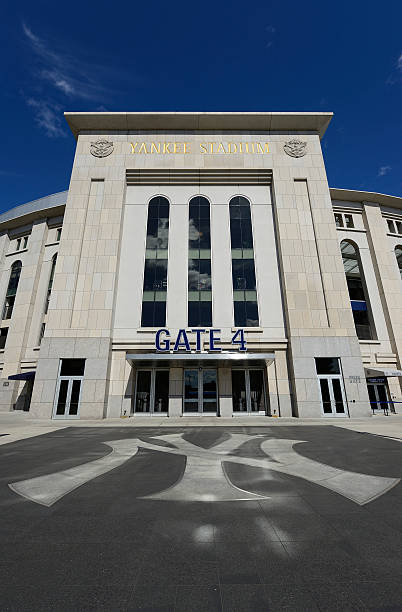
(383, 170)
(271, 35)
(69, 75)
(48, 116)
(399, 64)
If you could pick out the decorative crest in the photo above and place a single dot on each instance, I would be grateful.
(295, 147)
(101, 148)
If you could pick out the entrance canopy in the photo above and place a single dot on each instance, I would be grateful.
(22, 376)
(183, 360)
(371, 372)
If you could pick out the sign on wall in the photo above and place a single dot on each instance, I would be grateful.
(204, 148)
(164, 343)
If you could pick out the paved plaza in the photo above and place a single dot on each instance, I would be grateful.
(233, 518)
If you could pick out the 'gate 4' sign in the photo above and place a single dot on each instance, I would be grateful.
(164, 342)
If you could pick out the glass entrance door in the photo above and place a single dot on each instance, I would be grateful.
(152, 392)
(68, 390)
(378, 396)
(332, 396)
(248, 391)
(200, 391)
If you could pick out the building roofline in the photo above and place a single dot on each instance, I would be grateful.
(198, 121)
(53, 204)
(350, 195)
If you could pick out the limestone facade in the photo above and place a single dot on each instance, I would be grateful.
(98, 230)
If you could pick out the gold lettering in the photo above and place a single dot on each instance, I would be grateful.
(203, 147)
(185, 145)
(261, 149)
(133, 146)
(143, 148)
(166, 147)
(155, 148)
(240, 147)
(230, 145)
(221, 148)
(211, 147)
(176, 147)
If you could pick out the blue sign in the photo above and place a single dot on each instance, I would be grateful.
(164, 343)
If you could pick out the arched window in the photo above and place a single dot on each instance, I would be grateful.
(199, 263)
(357, 290)
(243, 271)
(156, 262)
(49, 287)
(398, 255)
(12, 289)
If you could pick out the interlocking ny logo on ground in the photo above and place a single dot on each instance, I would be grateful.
(204, 478)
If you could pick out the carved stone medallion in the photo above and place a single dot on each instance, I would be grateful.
(295, 147)
(101, 148)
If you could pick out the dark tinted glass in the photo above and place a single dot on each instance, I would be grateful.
(14, 278)
(240, 223)
(161, 391)
(75, 397)
(327, 365)
(239, 391)
(153, 314)
(243, 274)
(72, 367)
(200, 314)
(155, 275)
(61, 400)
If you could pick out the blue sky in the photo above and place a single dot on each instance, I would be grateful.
(344, 57)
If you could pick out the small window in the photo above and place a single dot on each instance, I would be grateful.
(349, 221)
(338, 220)
(3, 337)
(58, 234)
(391, 226)
(327, 365)
(12, 290)
(17, 248)
(42, 332)
(25, 242)
(72, 367)
(399, 227)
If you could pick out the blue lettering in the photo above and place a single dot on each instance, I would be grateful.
(241, 342)
(198, 333)
(184, 343)
(213, 339)
(165, 343)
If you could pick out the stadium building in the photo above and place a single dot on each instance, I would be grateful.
(200, 265)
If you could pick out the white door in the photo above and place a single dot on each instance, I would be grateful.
(68, 395)
(333, 400)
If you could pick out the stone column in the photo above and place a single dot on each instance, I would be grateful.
(225, 392)
(176, 392)
(278, 386)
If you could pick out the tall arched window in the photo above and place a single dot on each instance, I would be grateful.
(12, 289)
(199, 264)
(50, 285)
(398, 255)
(156, 262)
(357, 290)
(243, 271)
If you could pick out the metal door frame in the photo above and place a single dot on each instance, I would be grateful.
(151, 392)
(387, 394)
(70, 380)
(200, 398)
(248, 392)
(333, 412)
